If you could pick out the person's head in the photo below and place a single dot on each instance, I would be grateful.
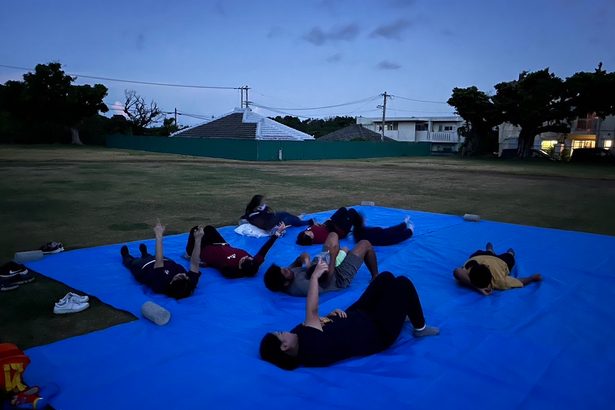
(180, 287)
(277, 278)
(254, 202)
(305, 238)
(480, 276)
(248, 266)
(280, 348)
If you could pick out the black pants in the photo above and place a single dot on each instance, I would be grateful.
(388, 300)
(383, 236)
(343, 220)
(506, 257)
(210, 237)
(135, 265)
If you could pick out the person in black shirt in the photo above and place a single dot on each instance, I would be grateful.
(163, 275)
(262, 216)
(368, 326)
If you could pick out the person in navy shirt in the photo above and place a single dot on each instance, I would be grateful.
(160, 274)
(368, 326)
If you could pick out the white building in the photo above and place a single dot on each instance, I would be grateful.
(589, 132)
(441, 132)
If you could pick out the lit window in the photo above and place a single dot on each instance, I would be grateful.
(547, 144)
(608, 143)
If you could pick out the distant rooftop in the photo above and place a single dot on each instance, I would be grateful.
(243, 124)
(354, 132)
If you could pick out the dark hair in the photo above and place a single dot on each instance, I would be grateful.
(304, 239)
(254, 202)
(190, 244)
(180, 288)
(480, 276)
(249, 267)
(274, 280)
(271, 351)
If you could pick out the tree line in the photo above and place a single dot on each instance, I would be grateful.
(536, 102)
(46, 107)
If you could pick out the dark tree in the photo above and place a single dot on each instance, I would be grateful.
(140, 114)
(481, 117)
(47, 96)
(536, 103)
(316, 126)
(591, 92)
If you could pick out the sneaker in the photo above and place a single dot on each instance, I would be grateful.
(69, 306)
(8, 283)
(74, 297)
(11, 268)
(52, 247)
(24, 277)
(124, 251)
(28, 399)
(409, 223)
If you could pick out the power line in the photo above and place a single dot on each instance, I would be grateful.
(135, 81)
(422, 101)
(317, 108)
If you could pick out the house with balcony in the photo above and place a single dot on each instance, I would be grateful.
(588, 132)
(441, 132)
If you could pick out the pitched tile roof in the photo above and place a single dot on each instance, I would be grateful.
(353, 132)
(244, 124)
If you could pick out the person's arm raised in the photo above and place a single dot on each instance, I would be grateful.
(195, 259)
(159, 231)
(312, 316)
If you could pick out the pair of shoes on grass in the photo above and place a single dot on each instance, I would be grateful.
(71, 303)
(13, 274)
(52, 247)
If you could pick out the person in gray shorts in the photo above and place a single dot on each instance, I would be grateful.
(295, 278)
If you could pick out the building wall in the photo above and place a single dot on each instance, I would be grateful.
(253, 150)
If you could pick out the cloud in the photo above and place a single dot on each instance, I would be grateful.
(219, 8)
(335, 58)
(391, 31)
(275, 32)
(140, 41)
(318, 37)
(388, 65)
(117, 108)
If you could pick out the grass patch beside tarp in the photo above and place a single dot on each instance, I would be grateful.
(27, 318)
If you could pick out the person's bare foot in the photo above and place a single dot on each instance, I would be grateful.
(489, 247)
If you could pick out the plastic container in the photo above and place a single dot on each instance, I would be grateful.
(471, 218)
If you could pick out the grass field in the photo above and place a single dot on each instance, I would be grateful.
(86, 196)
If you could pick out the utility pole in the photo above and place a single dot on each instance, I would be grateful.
(384, 111)
(241, 89)
(247, 99)
(176, 116)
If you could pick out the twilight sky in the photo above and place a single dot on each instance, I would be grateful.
(299, 54)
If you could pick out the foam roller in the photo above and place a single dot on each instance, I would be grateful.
(155, 313)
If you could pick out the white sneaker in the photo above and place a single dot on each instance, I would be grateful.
(409, 223)
(75, 297)
(69, 306)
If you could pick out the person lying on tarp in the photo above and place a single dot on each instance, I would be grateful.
(341, 223)
(231, 262)
(485, 271)
(259, 214)
(161, 274)
(346, 219)
(295, 279)
(368, 326)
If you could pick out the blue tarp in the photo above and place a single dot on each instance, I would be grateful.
(543, 346)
